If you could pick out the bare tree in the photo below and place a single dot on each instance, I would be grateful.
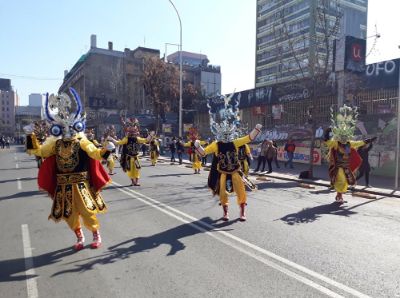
(161, 85)
(306, 52)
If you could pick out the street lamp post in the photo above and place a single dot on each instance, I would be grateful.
(180, 68)
(396, 182)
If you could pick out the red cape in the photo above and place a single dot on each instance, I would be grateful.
(355, 160)
(47, 176)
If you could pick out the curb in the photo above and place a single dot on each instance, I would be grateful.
(375, 191)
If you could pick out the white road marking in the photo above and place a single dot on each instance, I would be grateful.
(164, 208)
(31, 284)
(19, 185)
(16, 166)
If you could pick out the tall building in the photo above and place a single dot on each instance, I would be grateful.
(8, 101)
(36, 99)
(108, 82)
(292, 26)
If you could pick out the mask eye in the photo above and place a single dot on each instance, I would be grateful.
(79, 126)
(56, 130)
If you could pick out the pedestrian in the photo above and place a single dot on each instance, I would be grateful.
(180, 149)
(276, 156)
(290, 147)
(262, 156)
(172, 149)
(204, 158)
(71, 172)
(365, 167)
(270, 155)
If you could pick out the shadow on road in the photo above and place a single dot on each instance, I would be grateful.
(273, 184)
(171, 237)
(14, 269)
(172, 175)
(21, 179)
(309, 215)
(21, 194)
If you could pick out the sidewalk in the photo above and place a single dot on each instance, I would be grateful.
(382, 186)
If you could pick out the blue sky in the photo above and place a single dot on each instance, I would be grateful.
(41, 38)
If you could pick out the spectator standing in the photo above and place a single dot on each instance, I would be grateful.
(180, 149)
(290, 147)
(262, 156)
(276, 155)
(365, 167)
(172, 149)
(270, 155)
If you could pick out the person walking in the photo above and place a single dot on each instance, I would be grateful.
(365, 167)
(290, 147)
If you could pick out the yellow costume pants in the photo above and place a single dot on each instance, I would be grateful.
(110, 163)
(341, 184)
(133, 173)
(245, 167)
(153, 157)
(79, 210)
(238, 188)
(196, 163)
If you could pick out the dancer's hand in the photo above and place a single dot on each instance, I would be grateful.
(258, 126)
(110, 146)
(28, 129)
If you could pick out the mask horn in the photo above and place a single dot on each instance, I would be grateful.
(47, 108)
(77, 101)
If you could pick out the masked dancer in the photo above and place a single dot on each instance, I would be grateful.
(193, 154)
(225, 174)
(71, 172)
(344, 159)
(131, 144)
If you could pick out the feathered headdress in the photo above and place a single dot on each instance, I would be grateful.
(110, 131)
(65, 115)
(131, 126)
(344, 123)
(224, 117)
(41, 129)
(193, 134)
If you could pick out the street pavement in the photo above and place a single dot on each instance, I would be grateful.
(165, 239)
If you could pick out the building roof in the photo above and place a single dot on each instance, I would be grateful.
(28, 111)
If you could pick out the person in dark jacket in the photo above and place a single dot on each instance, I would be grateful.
(365, 167)
(172, 149)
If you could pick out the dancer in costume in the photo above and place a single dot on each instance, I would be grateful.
(343, 157)
(71, 172)
(193, 155)
(225, 174)
(110, 163)
(91, 137)
(130, 150)
(154, 151)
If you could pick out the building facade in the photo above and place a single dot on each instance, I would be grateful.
(198, 72)
(8, 101)
(109, 82)
(289, 35)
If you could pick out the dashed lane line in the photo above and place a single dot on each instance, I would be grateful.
(31, 284)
